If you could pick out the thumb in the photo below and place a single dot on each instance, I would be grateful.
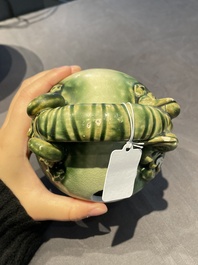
(62, 208)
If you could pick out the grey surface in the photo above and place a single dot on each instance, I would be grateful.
(14, 8)
(156, 42)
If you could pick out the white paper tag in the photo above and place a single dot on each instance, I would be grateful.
(121, 174)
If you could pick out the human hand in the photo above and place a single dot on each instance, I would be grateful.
(16, 170)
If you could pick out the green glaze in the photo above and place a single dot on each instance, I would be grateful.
(43, 101)
(107, 122)
(77, 125)
(97, 86)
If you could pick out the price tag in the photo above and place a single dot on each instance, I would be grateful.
(122, 168)
(121, 174)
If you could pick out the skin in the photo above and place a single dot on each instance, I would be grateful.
(16, 170)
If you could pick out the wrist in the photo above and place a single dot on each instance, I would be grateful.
(20, 235)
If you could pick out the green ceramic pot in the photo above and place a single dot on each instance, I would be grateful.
(77, 125)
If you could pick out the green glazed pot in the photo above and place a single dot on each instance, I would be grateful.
(77, 125)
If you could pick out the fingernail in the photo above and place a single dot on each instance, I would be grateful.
(97, 211)
(62, 67)
(75, 68)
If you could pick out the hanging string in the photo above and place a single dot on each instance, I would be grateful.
(130, 142)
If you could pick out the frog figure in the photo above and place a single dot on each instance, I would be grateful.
(80, 121)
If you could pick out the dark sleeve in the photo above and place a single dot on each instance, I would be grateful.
(20, 235)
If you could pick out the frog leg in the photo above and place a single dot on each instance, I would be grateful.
(45, 149)
(150, 163)
(163, 143)
(169, 105)
(45, 101)
(50, 156)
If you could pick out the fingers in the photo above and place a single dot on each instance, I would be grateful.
(39, 202)
(17, 119)
(64, 71)
(42, 204)
(61, 208)
(33, 78)
(40, 84)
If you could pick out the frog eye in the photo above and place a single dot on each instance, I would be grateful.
(139, 90)
(56, 88)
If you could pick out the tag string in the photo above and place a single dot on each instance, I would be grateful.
(130, 143)
(131, 120)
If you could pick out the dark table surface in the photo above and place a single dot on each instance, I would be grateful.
(156, 42)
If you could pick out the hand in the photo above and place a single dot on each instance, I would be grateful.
(16, 171)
